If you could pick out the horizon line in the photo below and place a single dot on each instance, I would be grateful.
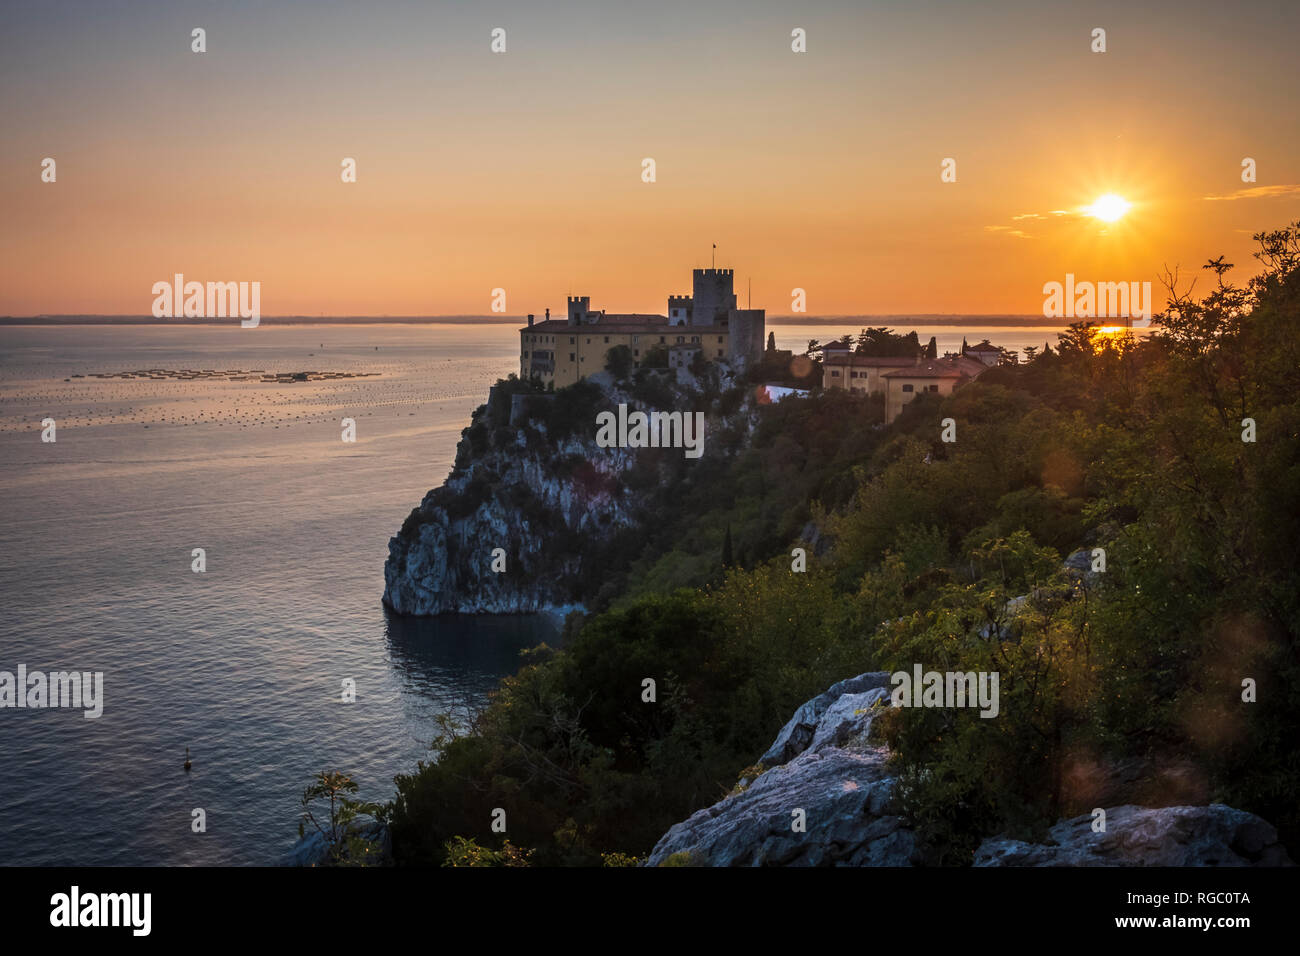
(108, 318)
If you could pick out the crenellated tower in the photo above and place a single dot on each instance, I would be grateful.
(714, 296)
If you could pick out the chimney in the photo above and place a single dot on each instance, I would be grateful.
(530, 318)
(548, 315)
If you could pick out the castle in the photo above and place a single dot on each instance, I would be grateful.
(705, 323)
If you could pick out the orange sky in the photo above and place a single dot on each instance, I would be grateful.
(522, 170)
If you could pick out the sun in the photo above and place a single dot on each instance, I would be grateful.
(1108, 208)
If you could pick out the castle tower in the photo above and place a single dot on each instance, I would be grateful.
(579, 306)
(746, 336)
(714, 296)
(679, 309)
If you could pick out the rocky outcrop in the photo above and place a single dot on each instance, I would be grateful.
(843, 797)
(1216, 835)
(827, 799)
(824, 772)
(841, 713)
(516, 501)
(530, 480)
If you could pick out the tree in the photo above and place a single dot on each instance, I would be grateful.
(344, 843)
(464, 852)
(932, 350)
(619, 362)
(1076, 340)
(656, 357)
(771, 341)
(886, 342)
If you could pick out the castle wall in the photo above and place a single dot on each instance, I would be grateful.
(572, 353)
(747, 335)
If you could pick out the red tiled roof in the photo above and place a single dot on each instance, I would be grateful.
(871, 361)
(632, 318)
(941, 368)
(629, 322)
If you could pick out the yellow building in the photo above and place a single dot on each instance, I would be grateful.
(843, 368)
(937, 376)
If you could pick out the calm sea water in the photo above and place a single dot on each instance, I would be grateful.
(243, 663)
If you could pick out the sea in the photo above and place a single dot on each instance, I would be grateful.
(277, 660)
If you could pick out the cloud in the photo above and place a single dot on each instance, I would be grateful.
(1008, 231)
(1257, 192)
(1038, 215)
(1031, 217)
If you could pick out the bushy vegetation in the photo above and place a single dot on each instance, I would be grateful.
(950, 555)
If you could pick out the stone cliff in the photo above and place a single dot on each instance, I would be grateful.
(531, 480)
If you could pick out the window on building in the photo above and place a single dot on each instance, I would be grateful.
(681, 339)
(719, 353)
(907, 388)
(719, 339)
(695, 339)
(589, 340)
(934, 388)
(835, 373)
(661, 340)
(570, 356)
(636, 339)
(636, 351)
(573, 340)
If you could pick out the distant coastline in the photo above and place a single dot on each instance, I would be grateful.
(925, 319)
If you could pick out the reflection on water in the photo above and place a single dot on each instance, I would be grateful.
(468, 652)
(245, 662)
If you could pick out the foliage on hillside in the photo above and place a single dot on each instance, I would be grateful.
(1134, 447)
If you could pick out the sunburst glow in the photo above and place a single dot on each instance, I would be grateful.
(1108, 208)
